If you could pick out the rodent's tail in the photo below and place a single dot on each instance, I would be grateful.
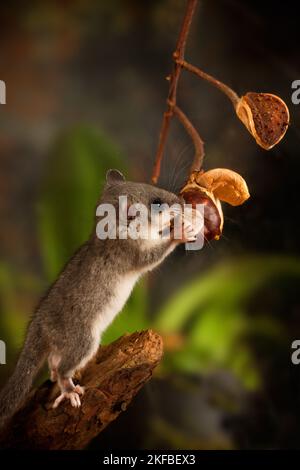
(29, 363)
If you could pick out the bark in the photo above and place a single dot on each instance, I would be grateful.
(111, 380)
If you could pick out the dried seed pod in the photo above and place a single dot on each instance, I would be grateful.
(226, 185)
(219, 184)
(266, 117)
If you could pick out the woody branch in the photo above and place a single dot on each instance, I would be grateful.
(172, 107)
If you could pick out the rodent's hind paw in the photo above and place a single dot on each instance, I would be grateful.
(72, 396)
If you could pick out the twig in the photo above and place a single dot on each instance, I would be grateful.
(209, 78)
(178, 55)
(198, 142)
(111, 381)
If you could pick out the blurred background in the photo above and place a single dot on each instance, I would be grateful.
(86, 92)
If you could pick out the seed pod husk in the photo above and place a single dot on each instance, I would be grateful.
(226, 185)
(266, 117)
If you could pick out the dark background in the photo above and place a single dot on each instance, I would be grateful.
(85, 92)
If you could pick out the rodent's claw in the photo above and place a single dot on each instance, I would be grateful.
(192, 225)
(78, 389)
(189, 233)
(72, 396)
(75, 400)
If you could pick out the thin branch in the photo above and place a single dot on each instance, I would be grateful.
(193, 133)
(172, 95)
(209, 78)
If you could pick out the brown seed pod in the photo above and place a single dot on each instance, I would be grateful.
(211, 187)
(266, 117)
(226, 185)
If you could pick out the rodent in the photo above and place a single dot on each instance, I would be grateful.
(91, 290)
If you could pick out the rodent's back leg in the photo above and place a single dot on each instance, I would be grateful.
(53, 362)
(71, 361)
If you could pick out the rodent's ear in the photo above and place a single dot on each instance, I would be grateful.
(114, 176)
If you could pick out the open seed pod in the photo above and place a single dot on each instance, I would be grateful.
(211, 187)
(266, 117)
(226, 185)
(213, 214)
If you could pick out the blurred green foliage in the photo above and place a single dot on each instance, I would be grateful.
(69, 192)
(211, 311)
(11, 317)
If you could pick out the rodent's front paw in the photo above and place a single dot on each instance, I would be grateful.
(192, 224)
(189, 233)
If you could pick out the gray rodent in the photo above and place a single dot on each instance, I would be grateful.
(90, 291)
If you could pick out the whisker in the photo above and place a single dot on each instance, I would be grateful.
(173, 173)
(177, 169)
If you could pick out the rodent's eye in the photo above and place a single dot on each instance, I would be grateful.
(156, 203)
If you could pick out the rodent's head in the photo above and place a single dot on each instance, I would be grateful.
(162, 206)
(143, 193)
